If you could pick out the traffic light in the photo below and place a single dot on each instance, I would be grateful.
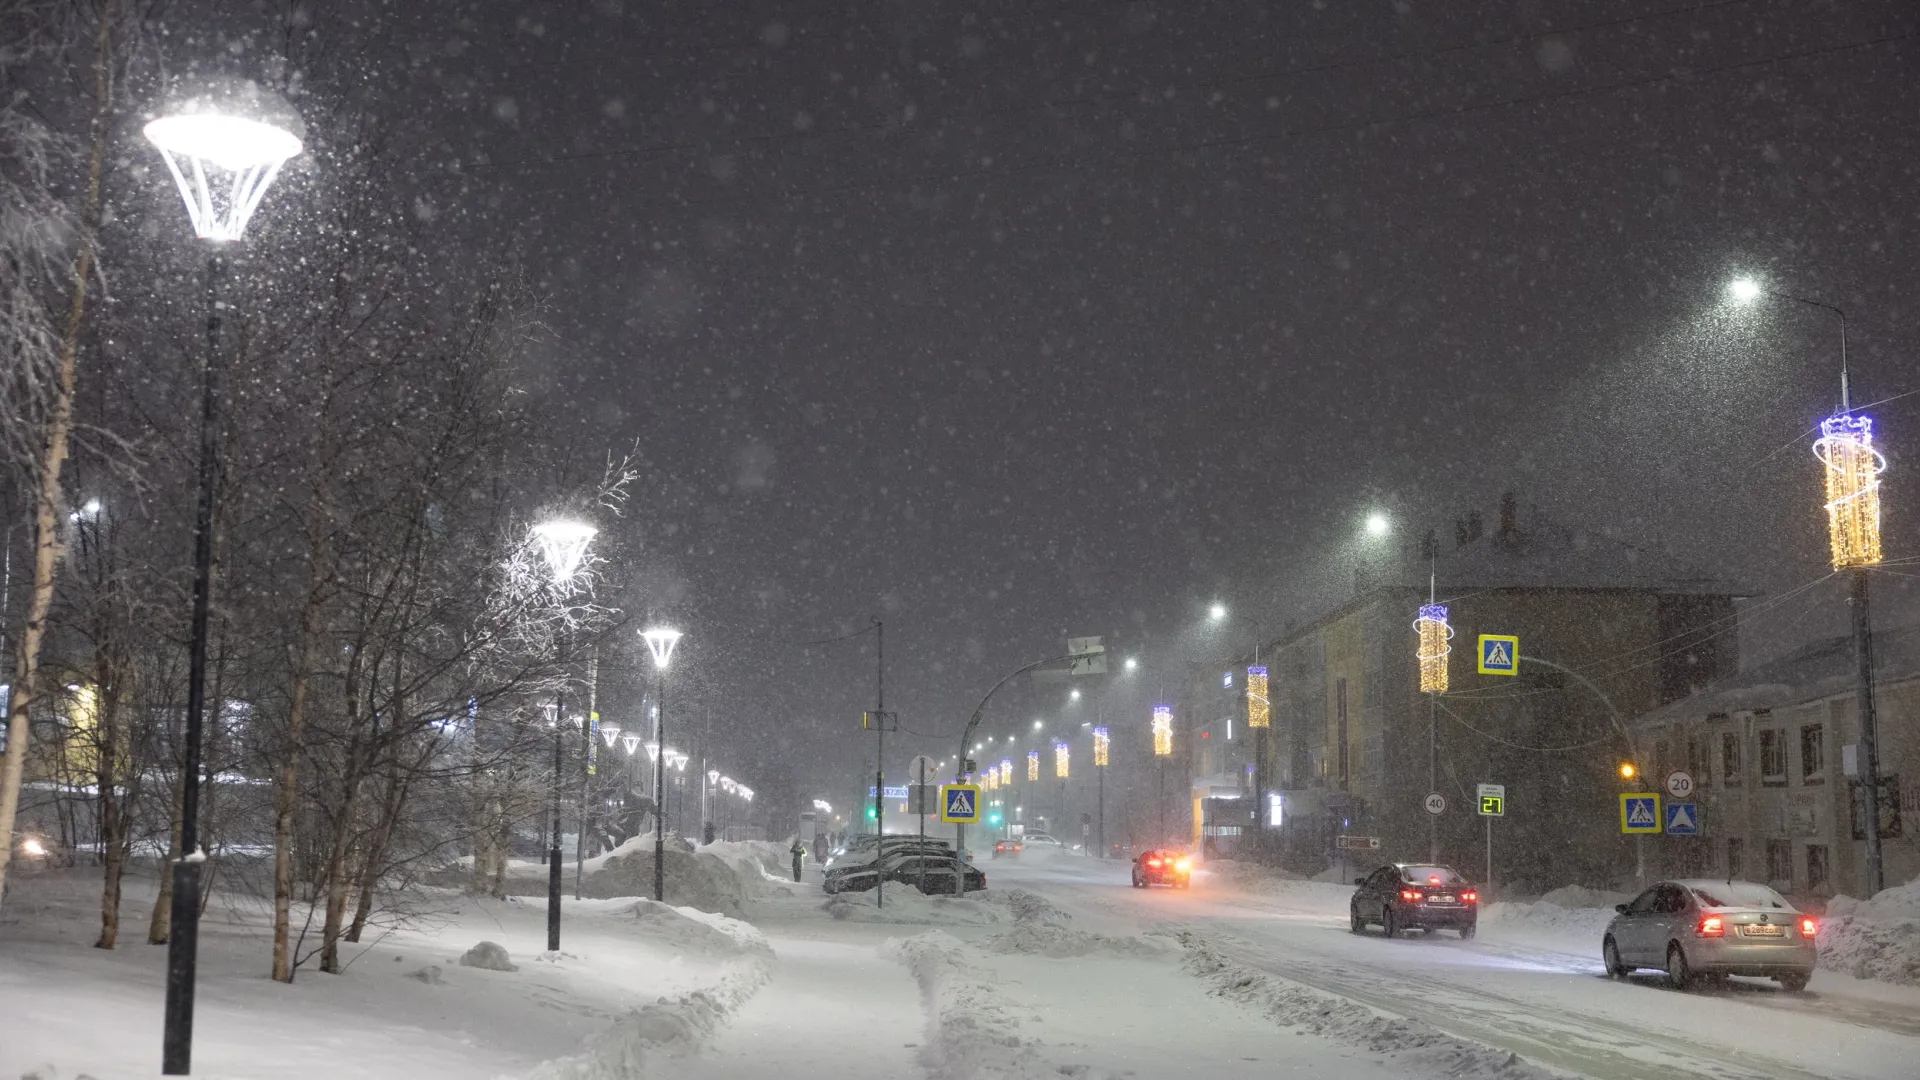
(993, 817)
(873, 814)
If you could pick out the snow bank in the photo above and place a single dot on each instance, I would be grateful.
(696, 879)
(1574, 927)
(1040, 928)
(1874, 939)
(1418, 1048)
(1580, 896)
(644, 1043)
(753, 858)
(908, 906)
(970, 1033)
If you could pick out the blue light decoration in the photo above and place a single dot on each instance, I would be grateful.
(1853, 469)
(1434, 634)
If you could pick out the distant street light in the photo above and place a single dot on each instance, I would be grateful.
(660, 642)
(1377, 524)
(233, 137)
(1217, 612)
(1132, 664)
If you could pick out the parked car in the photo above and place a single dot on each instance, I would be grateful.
(1415, 896)
(1162, 868)
(1042, 840)
(861, 849)
(1711, 929)
(931, 874)
(1009, 847)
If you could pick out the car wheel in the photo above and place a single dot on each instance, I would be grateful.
(1679, 973)
(1389, 925)
(1359, 923)
(1467, 932)
(1610, 956)
(1136, 880)
(1794, 983)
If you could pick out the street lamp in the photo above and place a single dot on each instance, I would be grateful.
(660, 642)
(563, 545)
(1217, 612)
(1377, 524)
(1852, 470)
(233, 137)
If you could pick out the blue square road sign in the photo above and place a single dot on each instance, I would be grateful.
(960, 803)
(1683, 819)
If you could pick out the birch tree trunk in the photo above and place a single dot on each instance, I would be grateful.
(284, 800)
(53, 453)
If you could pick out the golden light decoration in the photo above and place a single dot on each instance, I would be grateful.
(1100, 744)
(1060, 760)
(1853, 469)
(1259, 712)
(1434, 634)
(1006, 772)
(1033, 764)
(992, 779)
(1162, 730)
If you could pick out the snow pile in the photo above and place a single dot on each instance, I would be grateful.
(643, 1043)
(1580, 896)
(1040, 928)
(693, 879)
(754, 859)
(1874, 939)
(1420, 1048)
(910, 907)
(488, 956)
(1575, 927)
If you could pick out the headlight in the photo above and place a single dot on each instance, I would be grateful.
(33, 847)
(1183, 865)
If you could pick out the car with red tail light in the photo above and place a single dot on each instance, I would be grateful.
(1695, 930)
(1416, 896)
(1158, 867)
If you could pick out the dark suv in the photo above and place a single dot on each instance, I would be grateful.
(1416, 896)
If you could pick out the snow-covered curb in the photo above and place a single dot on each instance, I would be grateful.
(1874, 939)
(969, 1034)
(1423, 1049)
(675, 1026)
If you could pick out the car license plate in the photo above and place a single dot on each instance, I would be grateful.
(1763, 930)
(1441, 898)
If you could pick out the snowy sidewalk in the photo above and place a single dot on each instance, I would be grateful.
(832, 1009)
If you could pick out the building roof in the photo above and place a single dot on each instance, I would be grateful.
(1818, 670)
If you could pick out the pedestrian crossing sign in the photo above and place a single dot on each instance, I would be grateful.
(1499, 654)
(960, 803)
(1639, 812)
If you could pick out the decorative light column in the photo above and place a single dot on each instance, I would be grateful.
(1162, 749)
(1434, 633)
(660, 643)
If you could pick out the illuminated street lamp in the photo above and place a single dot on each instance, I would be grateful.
(660, 643)
(1851, 468)
(563, 546)
(224, 141)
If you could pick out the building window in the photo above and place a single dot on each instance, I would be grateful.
(1735, 855)
(1813, 758)
(1697, 762)
(1773, 756)
(1730, 758)
(1340, 729)
(1816, 866)
(1780, 863)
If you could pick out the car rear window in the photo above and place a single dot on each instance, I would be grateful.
(1737, 894)
(1431, 875)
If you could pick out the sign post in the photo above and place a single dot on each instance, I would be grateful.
(1493, 804)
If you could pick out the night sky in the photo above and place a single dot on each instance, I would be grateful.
(1009, 321)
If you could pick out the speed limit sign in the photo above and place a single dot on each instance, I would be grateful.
(1436, 804)
(1680, 785)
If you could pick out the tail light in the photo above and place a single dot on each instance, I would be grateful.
(1433, 879)
(1470, 896)
(1153, 862)
(1807, 926)
(1711, 926)
(1409, 894)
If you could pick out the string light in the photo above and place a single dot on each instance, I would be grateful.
(1162, 730)
(1259, 712)
(1434, 634)
(1006, 772)
(1853, 469)
(1100, 744)
(1033, 765)
(1060, 761)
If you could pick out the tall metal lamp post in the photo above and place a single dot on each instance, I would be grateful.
(660, 642)
(224, 141)
(564, 546)
(1852, 470)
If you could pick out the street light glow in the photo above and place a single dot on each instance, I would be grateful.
(1075, 696)
(1377, 524)
(660, 642)
(1744, 290)
(564, 545)
(1217, 612)
(1036, 725)
(1132, 664)
(226, 126)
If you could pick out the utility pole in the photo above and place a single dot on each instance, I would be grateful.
(880, 762)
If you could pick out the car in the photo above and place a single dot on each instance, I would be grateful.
(1155, 867)
(1041, 840)
(1006, 847)
(1415, 896)
(861, 849)
(931, 874)
(1695, 929)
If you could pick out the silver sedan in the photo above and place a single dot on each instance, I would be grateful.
(1707, 928)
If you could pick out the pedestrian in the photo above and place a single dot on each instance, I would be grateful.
(799, 853)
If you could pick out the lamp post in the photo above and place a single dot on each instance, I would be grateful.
(1852, 472)
(232, 138)
(563, 544)
(706, 804)
(660, 642)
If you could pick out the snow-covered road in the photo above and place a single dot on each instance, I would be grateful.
(1542, 997)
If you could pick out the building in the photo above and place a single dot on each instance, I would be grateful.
(1773, 756)
(1604, 637)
